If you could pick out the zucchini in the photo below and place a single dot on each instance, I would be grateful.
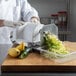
(24, 53)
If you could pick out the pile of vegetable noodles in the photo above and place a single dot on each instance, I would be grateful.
(53, 45)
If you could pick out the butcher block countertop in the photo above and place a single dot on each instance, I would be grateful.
(36, 63)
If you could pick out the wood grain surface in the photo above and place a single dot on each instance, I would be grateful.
(36, 63)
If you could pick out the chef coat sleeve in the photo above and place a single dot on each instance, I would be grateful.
(27, 11)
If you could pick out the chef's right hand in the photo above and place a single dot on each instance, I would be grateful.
(13, 24)
(19, 23)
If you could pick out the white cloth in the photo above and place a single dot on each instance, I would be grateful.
(16, 10)
(29, 32)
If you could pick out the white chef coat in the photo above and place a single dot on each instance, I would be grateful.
(15, 10)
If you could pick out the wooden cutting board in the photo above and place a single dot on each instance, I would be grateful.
(36, 63)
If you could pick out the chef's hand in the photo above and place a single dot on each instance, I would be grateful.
(35, 20)
(19, 23)
(13, 24)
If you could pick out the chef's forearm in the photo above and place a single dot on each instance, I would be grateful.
(1, 23)
(6, 23)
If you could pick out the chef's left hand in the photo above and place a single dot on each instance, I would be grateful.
(35, 20)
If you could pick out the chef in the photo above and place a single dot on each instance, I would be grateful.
(12, 13)
(16, 12)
